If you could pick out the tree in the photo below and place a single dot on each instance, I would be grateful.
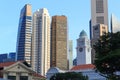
(107, 50)
(69, 76)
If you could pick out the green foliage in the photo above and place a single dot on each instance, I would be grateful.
(108, 54)
(69, 76)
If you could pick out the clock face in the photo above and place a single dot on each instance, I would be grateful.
(80, 49)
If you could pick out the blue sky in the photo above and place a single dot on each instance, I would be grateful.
(77, 11)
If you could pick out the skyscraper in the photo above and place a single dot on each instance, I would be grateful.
(12, 55)
(24, 34)
(3, 57)
(41, 41)
(99, 13)
(99, 30)
(70, 54)
(59, 42)
(115, 24)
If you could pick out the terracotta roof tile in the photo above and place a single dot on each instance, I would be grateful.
(6, 64)
(38, 75)
(83, 67)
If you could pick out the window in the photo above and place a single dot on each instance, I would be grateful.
(100, 19)
(99, 6)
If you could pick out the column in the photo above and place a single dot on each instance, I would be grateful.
(30, 76)
(5, 75)
(17, 76)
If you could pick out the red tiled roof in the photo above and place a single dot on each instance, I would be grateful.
(83, 67)
(6, 64)
(38, 75)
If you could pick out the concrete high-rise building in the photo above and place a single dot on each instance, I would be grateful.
(24, 35)
(115, 24)
(99, 30)
(59, 42)
(41, 41)
(99, 13)
(70, 54)
(83, 49)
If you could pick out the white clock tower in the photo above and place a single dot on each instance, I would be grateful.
(83, 49)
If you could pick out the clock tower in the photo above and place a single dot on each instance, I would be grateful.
(83, 49)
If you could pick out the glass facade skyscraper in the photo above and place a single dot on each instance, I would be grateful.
(115, 24)
(3, 57)
(12, 55)
(24, 34)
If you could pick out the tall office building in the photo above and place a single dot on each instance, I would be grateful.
(59, 42)
(41, 41)
(70, 54)
(99, 13)
(99, 30)
(115, 24)
(24, 34)
(3, 57)
(12, 56)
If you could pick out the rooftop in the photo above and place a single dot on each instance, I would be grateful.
(83, 67)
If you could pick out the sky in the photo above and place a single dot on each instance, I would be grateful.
(78, 13)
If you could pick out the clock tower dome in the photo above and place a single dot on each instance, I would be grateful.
(83, 49)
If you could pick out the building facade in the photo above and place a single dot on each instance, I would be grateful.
(18, 71)
(24, 35)
(83, 49)
(70, 54)
(115, 24)
(59, 42)
(3, 57)
(12, 56)
(99, 13)
(99, 30)
(41, 41)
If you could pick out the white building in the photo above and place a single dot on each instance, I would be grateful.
(88, 70)
(18, 71)
(99, 13)
(52, 71)
(41, 41)
(70, 54)
(83, 49)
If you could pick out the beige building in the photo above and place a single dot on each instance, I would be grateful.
(98, 30)
(99, 13)
(41, 41)
(18, 71)
(59, 42)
